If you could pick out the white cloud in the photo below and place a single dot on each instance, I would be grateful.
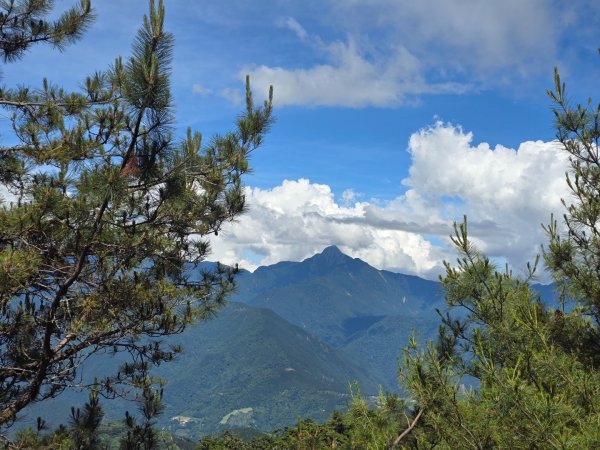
(6, 196)
(351, 77)
(479, 36)
(506, 193)
(387, 53)
(298, 218)
(349, 195)
(293, 25)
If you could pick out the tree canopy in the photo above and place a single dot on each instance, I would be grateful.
(106, 212)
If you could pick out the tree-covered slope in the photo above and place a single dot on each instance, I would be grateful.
(245, 367)
(305, 331)
(249, 367)
(380, 345)
(366, 312)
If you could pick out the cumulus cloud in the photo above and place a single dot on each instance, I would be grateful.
(506, 193)
(6, 196)
(299, 218)
(349, 195)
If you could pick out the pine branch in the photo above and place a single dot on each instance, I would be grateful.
(409, 428)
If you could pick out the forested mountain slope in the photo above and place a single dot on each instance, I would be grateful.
(287, 345)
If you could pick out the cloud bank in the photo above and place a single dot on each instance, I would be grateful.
(506, 193)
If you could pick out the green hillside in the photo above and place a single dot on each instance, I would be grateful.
(250, 368)
(246, 367)
(380, 345)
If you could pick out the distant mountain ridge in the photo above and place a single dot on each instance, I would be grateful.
(292, 338)
(366, 312)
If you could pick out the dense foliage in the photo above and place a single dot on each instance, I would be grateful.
(104, 213)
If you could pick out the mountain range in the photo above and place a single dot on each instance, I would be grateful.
(289, 343)
(366, 312)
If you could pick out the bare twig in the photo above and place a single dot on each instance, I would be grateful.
(409, 429)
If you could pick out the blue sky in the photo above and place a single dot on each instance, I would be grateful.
(394, 117)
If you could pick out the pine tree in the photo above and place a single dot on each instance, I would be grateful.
(107, 213)
(574, 258)
(85, 423)
(23, 23)
(533, 368)
(142, 436)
